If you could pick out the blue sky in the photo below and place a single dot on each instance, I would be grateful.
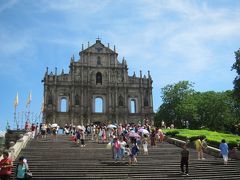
(174, 39)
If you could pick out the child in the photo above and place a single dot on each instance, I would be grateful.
(128, 153)
(122, 148)
(77, 137)
(224, 151)
(82, 138)
(161, 134)
(116, 149)
(184, 159)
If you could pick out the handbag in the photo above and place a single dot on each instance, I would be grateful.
(28, 175)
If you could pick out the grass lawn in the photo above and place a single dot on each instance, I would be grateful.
(210, 135)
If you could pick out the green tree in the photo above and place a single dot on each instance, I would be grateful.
(172, 96)
(236, 82)
(211, 110)
(236, 88)
(188, 109)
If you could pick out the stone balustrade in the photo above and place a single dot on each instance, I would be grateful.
(234, 153)
(16, 148)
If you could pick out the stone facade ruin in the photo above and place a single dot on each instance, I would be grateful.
(97, 79)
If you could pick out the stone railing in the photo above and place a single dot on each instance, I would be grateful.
(234, 153)
(15, 148)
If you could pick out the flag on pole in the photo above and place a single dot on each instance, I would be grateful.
(29, 99)
(16, 101)
(7, 126)
(42, 108)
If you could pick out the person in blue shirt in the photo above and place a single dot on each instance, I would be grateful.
(224, 151)
(21, 168)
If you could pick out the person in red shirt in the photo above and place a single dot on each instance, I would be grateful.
(26, 125)
(33, 128)
(6, 165)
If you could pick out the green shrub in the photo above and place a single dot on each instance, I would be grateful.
(213, 138)
(181, 137)
(172, 133)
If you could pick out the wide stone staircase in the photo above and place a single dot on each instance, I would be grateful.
(62, 159)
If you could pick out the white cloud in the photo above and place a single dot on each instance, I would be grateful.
(175, 40)
(159, 33)
(153, 36)
(191, 36)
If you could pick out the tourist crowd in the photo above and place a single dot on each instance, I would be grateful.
(125, 141)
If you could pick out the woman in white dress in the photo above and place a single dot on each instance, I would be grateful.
(145, 144)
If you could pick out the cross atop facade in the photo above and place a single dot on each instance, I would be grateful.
(98, 39)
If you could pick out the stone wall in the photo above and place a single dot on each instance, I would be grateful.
(97, 74)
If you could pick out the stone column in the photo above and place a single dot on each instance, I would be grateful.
(82, 105)
(116, 104)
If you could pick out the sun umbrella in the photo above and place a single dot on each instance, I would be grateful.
(111, 126)
(133, 135)
(54, 125)
(80, 127)
(144, 131)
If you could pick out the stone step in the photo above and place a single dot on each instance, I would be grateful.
(62, 159)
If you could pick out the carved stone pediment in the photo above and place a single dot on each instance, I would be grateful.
(98, 47)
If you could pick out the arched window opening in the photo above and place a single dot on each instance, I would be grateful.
(98, 60)
(99, 78)
(133, 107)
(63, 105)
(98, 105)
